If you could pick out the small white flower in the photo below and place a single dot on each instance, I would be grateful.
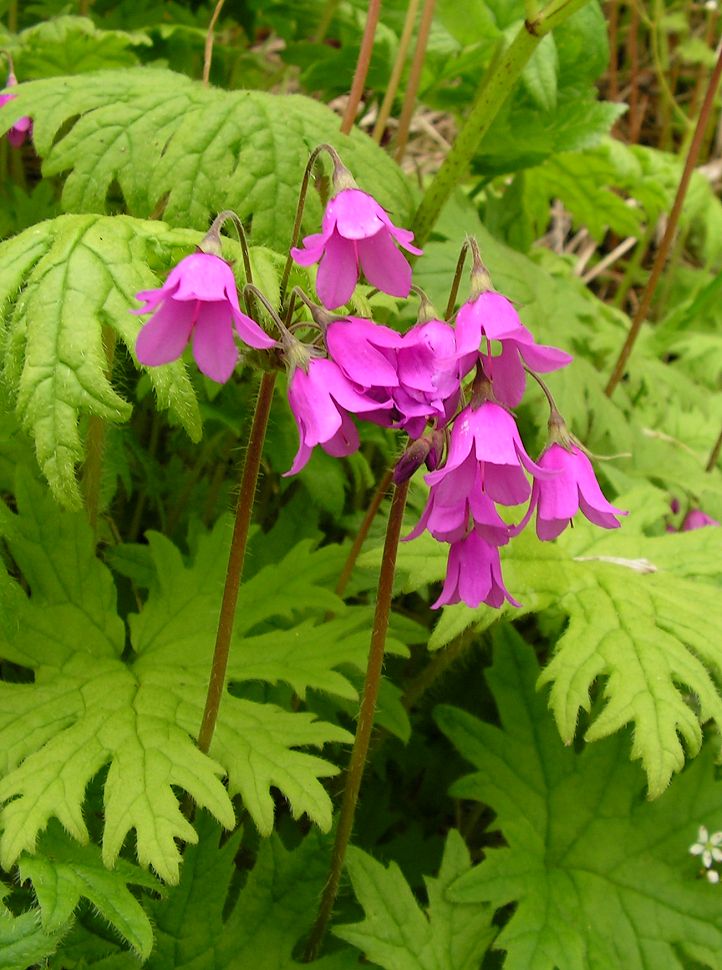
(712, 875)
(708, 846)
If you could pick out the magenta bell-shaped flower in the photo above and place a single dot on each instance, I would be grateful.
(574, 486)
(492, 316)
(22, 129)
(356, 230)
(473, 575)
(321, 400)
(490, 434)
(696, 519)
(198, 301)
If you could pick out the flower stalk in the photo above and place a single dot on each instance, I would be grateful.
(365, 722)
(234, 573)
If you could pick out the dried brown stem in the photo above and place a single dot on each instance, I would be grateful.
(210, 37)
(417, 65)
(362, 66)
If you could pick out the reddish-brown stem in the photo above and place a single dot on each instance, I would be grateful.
(385, 109)
(613, 88)
(210, 36)
(367, 710)
(427, 15)
(363, 532)
(362, 66)
(669, 231)
(234, 573)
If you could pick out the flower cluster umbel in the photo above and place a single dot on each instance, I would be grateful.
(450, 388)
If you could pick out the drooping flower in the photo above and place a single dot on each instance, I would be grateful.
(697, 519)
(490, 434)
(559, 497)
(493, 317)
(23, 127)
(473, 575)
(455, 500)
(355, 231)
(322, 400)
(198, 301)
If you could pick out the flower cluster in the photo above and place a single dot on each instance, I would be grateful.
(709, 847)
(450, 388)
(22, 129)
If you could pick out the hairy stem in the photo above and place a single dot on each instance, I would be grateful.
(329, 12)
(501, 76)
(417, 65)
(362, 66)
(669, 231)
(365, 722)
(393, 85)
(210, 37)
(234, 573)
(378, 497)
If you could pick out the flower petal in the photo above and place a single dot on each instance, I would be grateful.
(164, 336)
(213, 346)
(337, 272)
(383, 265)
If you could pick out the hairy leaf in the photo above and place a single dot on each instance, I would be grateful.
(66, 289)
(23, 941)
(398, 935)
(164, 138)
(89, 708)
(62, 871)
(599, 876)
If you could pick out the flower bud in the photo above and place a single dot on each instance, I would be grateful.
(413, 458)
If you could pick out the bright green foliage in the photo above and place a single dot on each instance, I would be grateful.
(398, 935)
(641, 612)
(88, 708)
(600, 877)
(23, 941)
(62, 871)
(66, 290)
(161, 136)
(73, 45)
(195, 929)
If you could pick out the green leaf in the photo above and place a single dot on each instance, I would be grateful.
(23, 941)
(199, 927)
(599, 876)
(62, 283)
(642, 612)
(198, 148)
(397, 934)
(89, 708)
(62, 871)
(74, 45)
(540, 74)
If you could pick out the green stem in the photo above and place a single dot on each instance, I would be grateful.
(669, 231)
(501, 76)
(210, 38)
(393, 85)
(412, 86)
(714, 454)
(365, 722)
(329, 12)
(95, 445)
(13, 17)
(234, 573)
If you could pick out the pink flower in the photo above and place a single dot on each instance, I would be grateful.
(198, 299)
(473, 575)
(559, 498)
(321, 399)
(458, 497)
(492, 316)
(356, 230)
(23, 127)
(490, 434)
(696, 519)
